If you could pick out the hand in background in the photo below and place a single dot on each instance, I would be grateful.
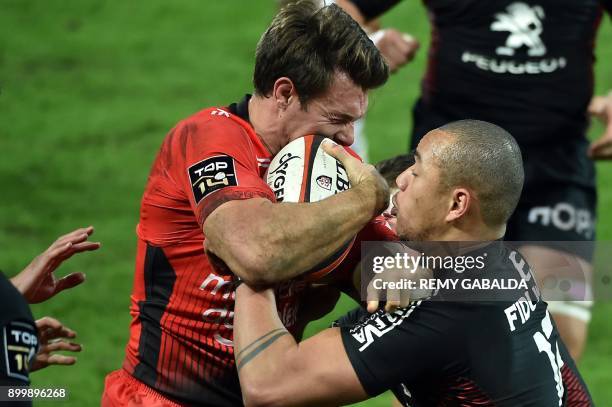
(396, 47)
(37, 283)
(601, 107)
(52, 338)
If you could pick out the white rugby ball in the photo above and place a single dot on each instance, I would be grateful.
(303, 172)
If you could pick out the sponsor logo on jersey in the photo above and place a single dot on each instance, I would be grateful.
(379, 324)
(524, 25)
(565, 217)
(219, 112)
(210, 175)
(20, 345)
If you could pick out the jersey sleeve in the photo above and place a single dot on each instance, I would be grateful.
(388, 348)
(373, 8)
(377, 230)
(219, 165)
(16, 353)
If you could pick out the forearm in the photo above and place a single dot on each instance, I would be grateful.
(275, 371)
(599, 104)
(18, 283)
(264, 242)
(262, 346)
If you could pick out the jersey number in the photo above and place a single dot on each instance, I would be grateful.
(542, 340)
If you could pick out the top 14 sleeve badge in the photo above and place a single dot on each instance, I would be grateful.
(212, 174)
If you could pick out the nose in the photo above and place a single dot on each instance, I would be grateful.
(346, 136)
(403, 179)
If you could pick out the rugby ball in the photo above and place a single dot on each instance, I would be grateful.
(303, 172)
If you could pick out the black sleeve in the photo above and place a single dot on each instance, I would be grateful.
(607, 5)
(352, 318)
(408, 344)
(373, 8)
(18, 336)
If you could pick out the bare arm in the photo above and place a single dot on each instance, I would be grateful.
(601, 107)
(264, 242)
(37, 282)
(274, 370)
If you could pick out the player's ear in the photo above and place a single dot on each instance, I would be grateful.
(460, 202)
(284, 93)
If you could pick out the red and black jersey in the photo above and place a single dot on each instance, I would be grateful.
(526, 66)
(182, 309)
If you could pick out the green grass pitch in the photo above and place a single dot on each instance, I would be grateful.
(89, 88)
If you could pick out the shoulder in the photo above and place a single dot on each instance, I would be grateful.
(211, 130)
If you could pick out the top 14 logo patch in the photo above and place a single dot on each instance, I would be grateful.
(212, 174)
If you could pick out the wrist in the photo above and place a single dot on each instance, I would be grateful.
(374, 197)
(18, 283)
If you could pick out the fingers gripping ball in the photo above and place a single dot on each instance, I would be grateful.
(303, 172)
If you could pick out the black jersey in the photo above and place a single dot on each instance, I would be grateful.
(525, 65)
(18, 337)
(468, 353)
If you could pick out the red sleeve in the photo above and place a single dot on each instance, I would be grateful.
(377, 230)
(219, 164)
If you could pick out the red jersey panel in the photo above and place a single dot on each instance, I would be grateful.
(182, 310)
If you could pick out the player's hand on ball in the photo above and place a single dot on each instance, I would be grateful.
(54, 337)
(601, 107)
(362, 176)
(37, 283)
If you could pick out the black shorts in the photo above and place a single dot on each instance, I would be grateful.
(559, 198)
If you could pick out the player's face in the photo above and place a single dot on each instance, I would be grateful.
(332, 114)
(420, 203)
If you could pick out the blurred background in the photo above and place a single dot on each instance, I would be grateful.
(88, 90)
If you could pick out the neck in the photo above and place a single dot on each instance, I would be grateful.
(264, 119)
(475, 233)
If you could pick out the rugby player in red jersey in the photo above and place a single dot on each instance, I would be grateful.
(207, 214)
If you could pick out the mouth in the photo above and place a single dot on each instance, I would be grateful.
(393, 210)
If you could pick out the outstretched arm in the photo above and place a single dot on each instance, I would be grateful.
(275, 370)
(37, 283)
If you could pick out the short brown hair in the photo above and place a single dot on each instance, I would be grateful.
(308, 44)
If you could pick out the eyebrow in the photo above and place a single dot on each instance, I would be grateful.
(416, 154)
(342, 117)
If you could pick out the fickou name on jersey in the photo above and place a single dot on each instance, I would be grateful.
(210, 175)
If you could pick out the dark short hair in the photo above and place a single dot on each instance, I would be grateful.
(485, 158)
(308, 44)
(392, 167)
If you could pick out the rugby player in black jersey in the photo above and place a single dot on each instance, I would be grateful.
(464, 186)
(527, 66)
